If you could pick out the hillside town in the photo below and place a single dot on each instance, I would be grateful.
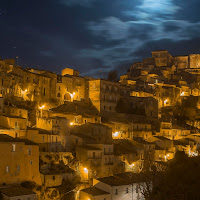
(64, 136)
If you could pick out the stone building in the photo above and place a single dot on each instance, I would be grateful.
(105, 94)
(19, 160)
(71, 86)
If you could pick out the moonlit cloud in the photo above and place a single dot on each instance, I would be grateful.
(164, 7)
(96, 36)
(152, 21)
(111, 28)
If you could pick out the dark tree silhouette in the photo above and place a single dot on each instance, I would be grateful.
(113, 76)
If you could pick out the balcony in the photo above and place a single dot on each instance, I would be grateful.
(94, 158)
(108, 153)
(108, 163)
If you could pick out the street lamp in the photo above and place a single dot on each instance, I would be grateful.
(72, 95)
(116, 134)
(182, 94)
(85, 170)
(41, 108)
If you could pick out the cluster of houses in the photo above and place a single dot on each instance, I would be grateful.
(55, 128)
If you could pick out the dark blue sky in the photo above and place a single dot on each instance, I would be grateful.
(96, 36)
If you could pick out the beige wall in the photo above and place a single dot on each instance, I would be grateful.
(22, 166)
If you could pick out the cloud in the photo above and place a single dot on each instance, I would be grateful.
(164, 7)
(111, 28)
(85, 3)
(149, 22)
(47, 53)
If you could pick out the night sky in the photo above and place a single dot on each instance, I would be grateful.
(96, 36)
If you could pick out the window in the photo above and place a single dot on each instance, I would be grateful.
(137, 189)
(52, 138)
(116, 192)
(13, 147)
(7, 169)
(54, 178)
(31, 162)
(58, 88)
(126, 190)
(15, 124)
(58, 95)
(18, 168)
(29, 151)
(42, 138)
(44, 92)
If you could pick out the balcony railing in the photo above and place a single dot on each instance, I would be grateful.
(108, 163)
(108, 153)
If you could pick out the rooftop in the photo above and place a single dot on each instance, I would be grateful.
(94, 191)
(113, 181)
(162, 138)
(12, 116)
(15, 191)
(7, 138)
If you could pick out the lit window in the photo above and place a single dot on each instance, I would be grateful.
(13, 147)
(7, 169)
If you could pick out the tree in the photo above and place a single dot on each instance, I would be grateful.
(113, 76)
(180, 181)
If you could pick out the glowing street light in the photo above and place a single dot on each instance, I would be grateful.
(71, 123)
(41, 108)
(116, 134)
(85, 170)
(24, 92)
(183, 93)
(72, 95)
(165, 101)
